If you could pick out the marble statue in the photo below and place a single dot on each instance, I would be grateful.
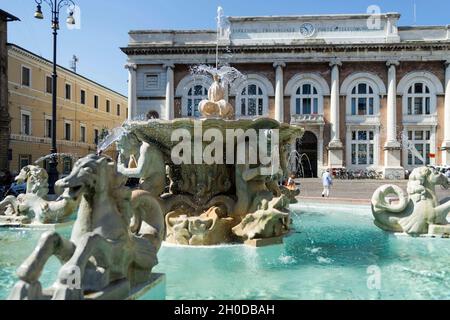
(35, 206)
(36, 179)
(145, 161)
(210, 228)
(269, 221)
(114, 241)
(416, 210)
(216, 105)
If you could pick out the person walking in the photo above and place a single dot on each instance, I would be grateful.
(327, 182)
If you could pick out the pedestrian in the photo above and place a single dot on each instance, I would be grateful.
(327, 182)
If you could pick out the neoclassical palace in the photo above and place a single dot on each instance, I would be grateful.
(369, 93)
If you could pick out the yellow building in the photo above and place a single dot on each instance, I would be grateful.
(86, 111)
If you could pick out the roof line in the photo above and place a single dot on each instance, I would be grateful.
(313, 16)
(172, 31)
(9, 16)
(65, 69)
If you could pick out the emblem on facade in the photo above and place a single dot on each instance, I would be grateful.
(307, 30)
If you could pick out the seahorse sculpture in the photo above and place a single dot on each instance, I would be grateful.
(417, 209)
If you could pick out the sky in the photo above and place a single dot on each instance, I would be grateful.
(105, 24)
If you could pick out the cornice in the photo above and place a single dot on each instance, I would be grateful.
(210, 48)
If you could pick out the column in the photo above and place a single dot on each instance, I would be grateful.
(279, 91)
(392, 148)
(132, 95)
(334, 102)
(335, 147)
(446, 121)
(169, 106)
(391, 125)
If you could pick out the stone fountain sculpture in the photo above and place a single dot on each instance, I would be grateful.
(35, 206)
(417, 211)
(212, 203)
(139, 159)
(114, 240)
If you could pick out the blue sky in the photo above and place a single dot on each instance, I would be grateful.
(105, 24)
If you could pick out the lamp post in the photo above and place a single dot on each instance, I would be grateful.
(55, 6)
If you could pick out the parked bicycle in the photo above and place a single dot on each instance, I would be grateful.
(360, 174)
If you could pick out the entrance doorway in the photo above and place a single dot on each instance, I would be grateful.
(307, 155)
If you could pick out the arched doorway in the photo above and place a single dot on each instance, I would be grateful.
(307, 155)
(152, 115)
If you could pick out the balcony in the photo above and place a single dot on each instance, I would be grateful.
(363, 120)
(423, 119)
(307, 119)
(40, 140)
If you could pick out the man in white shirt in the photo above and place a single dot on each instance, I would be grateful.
(327, 182)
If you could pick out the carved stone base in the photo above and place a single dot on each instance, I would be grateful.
(393, 169)
(335, 154)
(13, 221)
(257, 243)
(439, 230)
(394, 173)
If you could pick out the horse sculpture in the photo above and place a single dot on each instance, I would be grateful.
(416, 210)
(114, 241)
(35, 205)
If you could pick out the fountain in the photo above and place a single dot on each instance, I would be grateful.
(203, 182)
(213, 196)
(295, 161)
(212, 202)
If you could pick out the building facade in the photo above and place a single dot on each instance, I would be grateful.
(5, 17)
(86, 111)
(369, 93)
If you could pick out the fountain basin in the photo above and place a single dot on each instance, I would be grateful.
(326, 256)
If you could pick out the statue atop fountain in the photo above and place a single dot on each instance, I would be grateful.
(216, 106)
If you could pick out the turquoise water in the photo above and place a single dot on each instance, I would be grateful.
(326, 257)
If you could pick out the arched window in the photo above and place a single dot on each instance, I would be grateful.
(306, 99)
(307, 91)
(419, 90)
(362, 99)
(363, 91)
(194, 95)
(418, 99)
(192, 89)
(252, 100)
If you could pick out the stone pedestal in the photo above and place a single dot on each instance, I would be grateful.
(153, 289)
(392, 164)
(335, 154)
(439, 230)
(257, 243)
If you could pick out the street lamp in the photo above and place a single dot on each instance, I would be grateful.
(55, 6)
